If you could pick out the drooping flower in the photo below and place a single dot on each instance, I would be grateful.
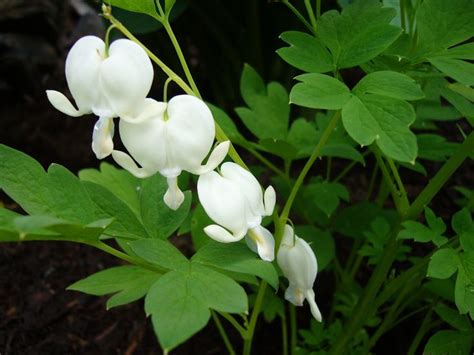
(169, 138)
(234, 200)
(109, 84)
(299, 265)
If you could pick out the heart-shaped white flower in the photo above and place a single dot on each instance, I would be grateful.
(169, 138)
(107, 83)
(234, 200)
(298, 263)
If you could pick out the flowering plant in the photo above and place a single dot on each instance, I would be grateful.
(270, 243)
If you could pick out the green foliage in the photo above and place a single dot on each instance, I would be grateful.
(325, 195)
(268, 112)
(126, 283)
(305, 52)
(142, 6)
(359, 33)
(238, 258)
(449, 342)
(421, 233)
(180, 302)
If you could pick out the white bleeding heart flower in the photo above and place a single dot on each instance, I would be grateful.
(299, 265)
(110, 84)
(234, 200)
(169, 138)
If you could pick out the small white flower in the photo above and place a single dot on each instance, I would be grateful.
(169, 138)
(234, 200)
(298, 263)
(108, 85)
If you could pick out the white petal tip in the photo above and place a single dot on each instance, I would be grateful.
(62, 103)
(217, 156)
(220, 234)
(269, 199)
(174, 197)
(313, 306)
(261, 240)
(127, 163)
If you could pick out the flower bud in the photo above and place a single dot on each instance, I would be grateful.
(299, 265)
(234, 200)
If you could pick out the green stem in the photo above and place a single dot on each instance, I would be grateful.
(254, 317)
(175, 77)
(264, 160)
(373, 178)
(318, 8)
(310, 11)
(234, 323)
(299, 15)
(388, 180)
(181, 57)
(398, 180)
(107, 39)
(424, 328)
(284, 335)
(120, 255)
(223, 334)
(165, 89)
(316, 153)
(403, 14)
(328, 169)
(366, 306)
(293, 329)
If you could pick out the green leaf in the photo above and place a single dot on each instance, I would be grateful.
(452, 317)
(449, 342)
(463, 226)
(390, 84)
(278, 147)
(354, 220)
(159, 220)
(305, 52)
(268, 110)
(106, 205)
(176, 313)
(465, 91)
(121, 183)
(179, 302)
(360, 33)
(160, 252)
(443, 264)
(326, 195)
(463, 292)
(386, 121)
(236, 257)
(435, 147)
(199, 221)
(128, 283)
(304, 135)
(321, 241)
(459, 70)
(141, 6)
(442, 24)
(226, 123)
(319, 91)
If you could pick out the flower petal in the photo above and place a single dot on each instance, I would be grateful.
(190, 130)
(294, 295)
(222, 201)
(82, 71)
(222, 235)
(146, 141)
(217, 156)
(127, 163)
(173, 197)
(310, 297)
(102, 142)
(126, 77)
(62, 103)
(269, 199)
(249, 186)
(260, 240)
